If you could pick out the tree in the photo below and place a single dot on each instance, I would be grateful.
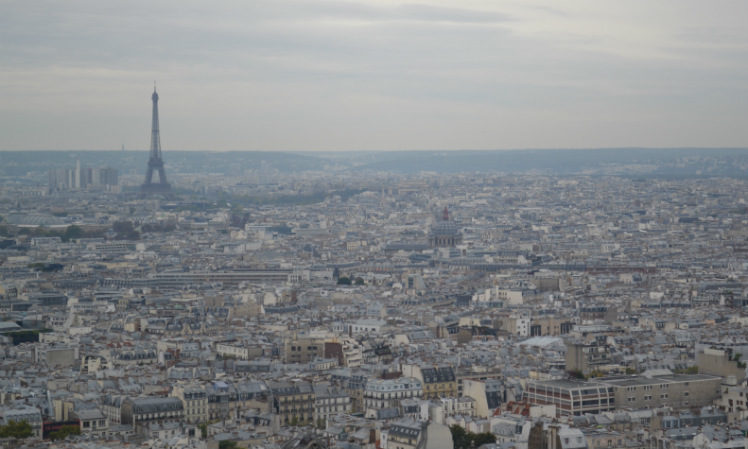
(203, 430)
(575, 374)
(737, 360)
(690, 370)
(479, 439)
(64, 432)
(125, 230)
(162, 226)
(460, 437)
(469, 440)
(238, 218)
(16, 429)
(24, 336)
(344, 280)
(359, 281)
(228, 444)
(46, 267)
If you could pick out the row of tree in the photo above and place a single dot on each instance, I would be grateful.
(345, 280)
(16, 429)
(22, 429)
(70, 232)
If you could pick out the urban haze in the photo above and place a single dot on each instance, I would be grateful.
(373, 225)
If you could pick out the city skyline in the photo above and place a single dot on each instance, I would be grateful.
(512, 224)
(365, 75)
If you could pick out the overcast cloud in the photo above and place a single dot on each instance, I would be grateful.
(374, 74)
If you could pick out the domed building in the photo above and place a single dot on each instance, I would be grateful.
(445, 233)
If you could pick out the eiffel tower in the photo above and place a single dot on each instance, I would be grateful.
(155, 161)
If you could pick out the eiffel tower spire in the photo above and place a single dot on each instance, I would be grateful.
(155, 161)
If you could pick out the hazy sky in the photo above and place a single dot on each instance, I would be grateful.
(373, 74)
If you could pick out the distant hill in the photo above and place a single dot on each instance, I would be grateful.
(228, 163)
(630, 161)
(677, 162)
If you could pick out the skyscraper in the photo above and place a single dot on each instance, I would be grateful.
(155, 161)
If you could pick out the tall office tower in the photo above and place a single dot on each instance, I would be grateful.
(108, 176)
(77, 175)
(155, 162)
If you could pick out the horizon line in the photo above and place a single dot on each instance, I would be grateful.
(477, 150)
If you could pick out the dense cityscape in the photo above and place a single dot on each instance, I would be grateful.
(390, 311)
(367, 224)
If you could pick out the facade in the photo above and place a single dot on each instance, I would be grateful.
(585, 358)
(329, 400)
(734, 401)
(487, 394)
(352, 352)
(517, 324)
(151, 409)
(194, 400)
(463, 406)
(293, 402)
(302, 349)
(550, 326)
(438, 381)
(571, 397)
(677, 391)
(56, 356)
(92, 421)
(387, 393)
(353, 385)
(228, 400)
(232, 350)
(626, 392)
(720, 362)
(111, 407)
